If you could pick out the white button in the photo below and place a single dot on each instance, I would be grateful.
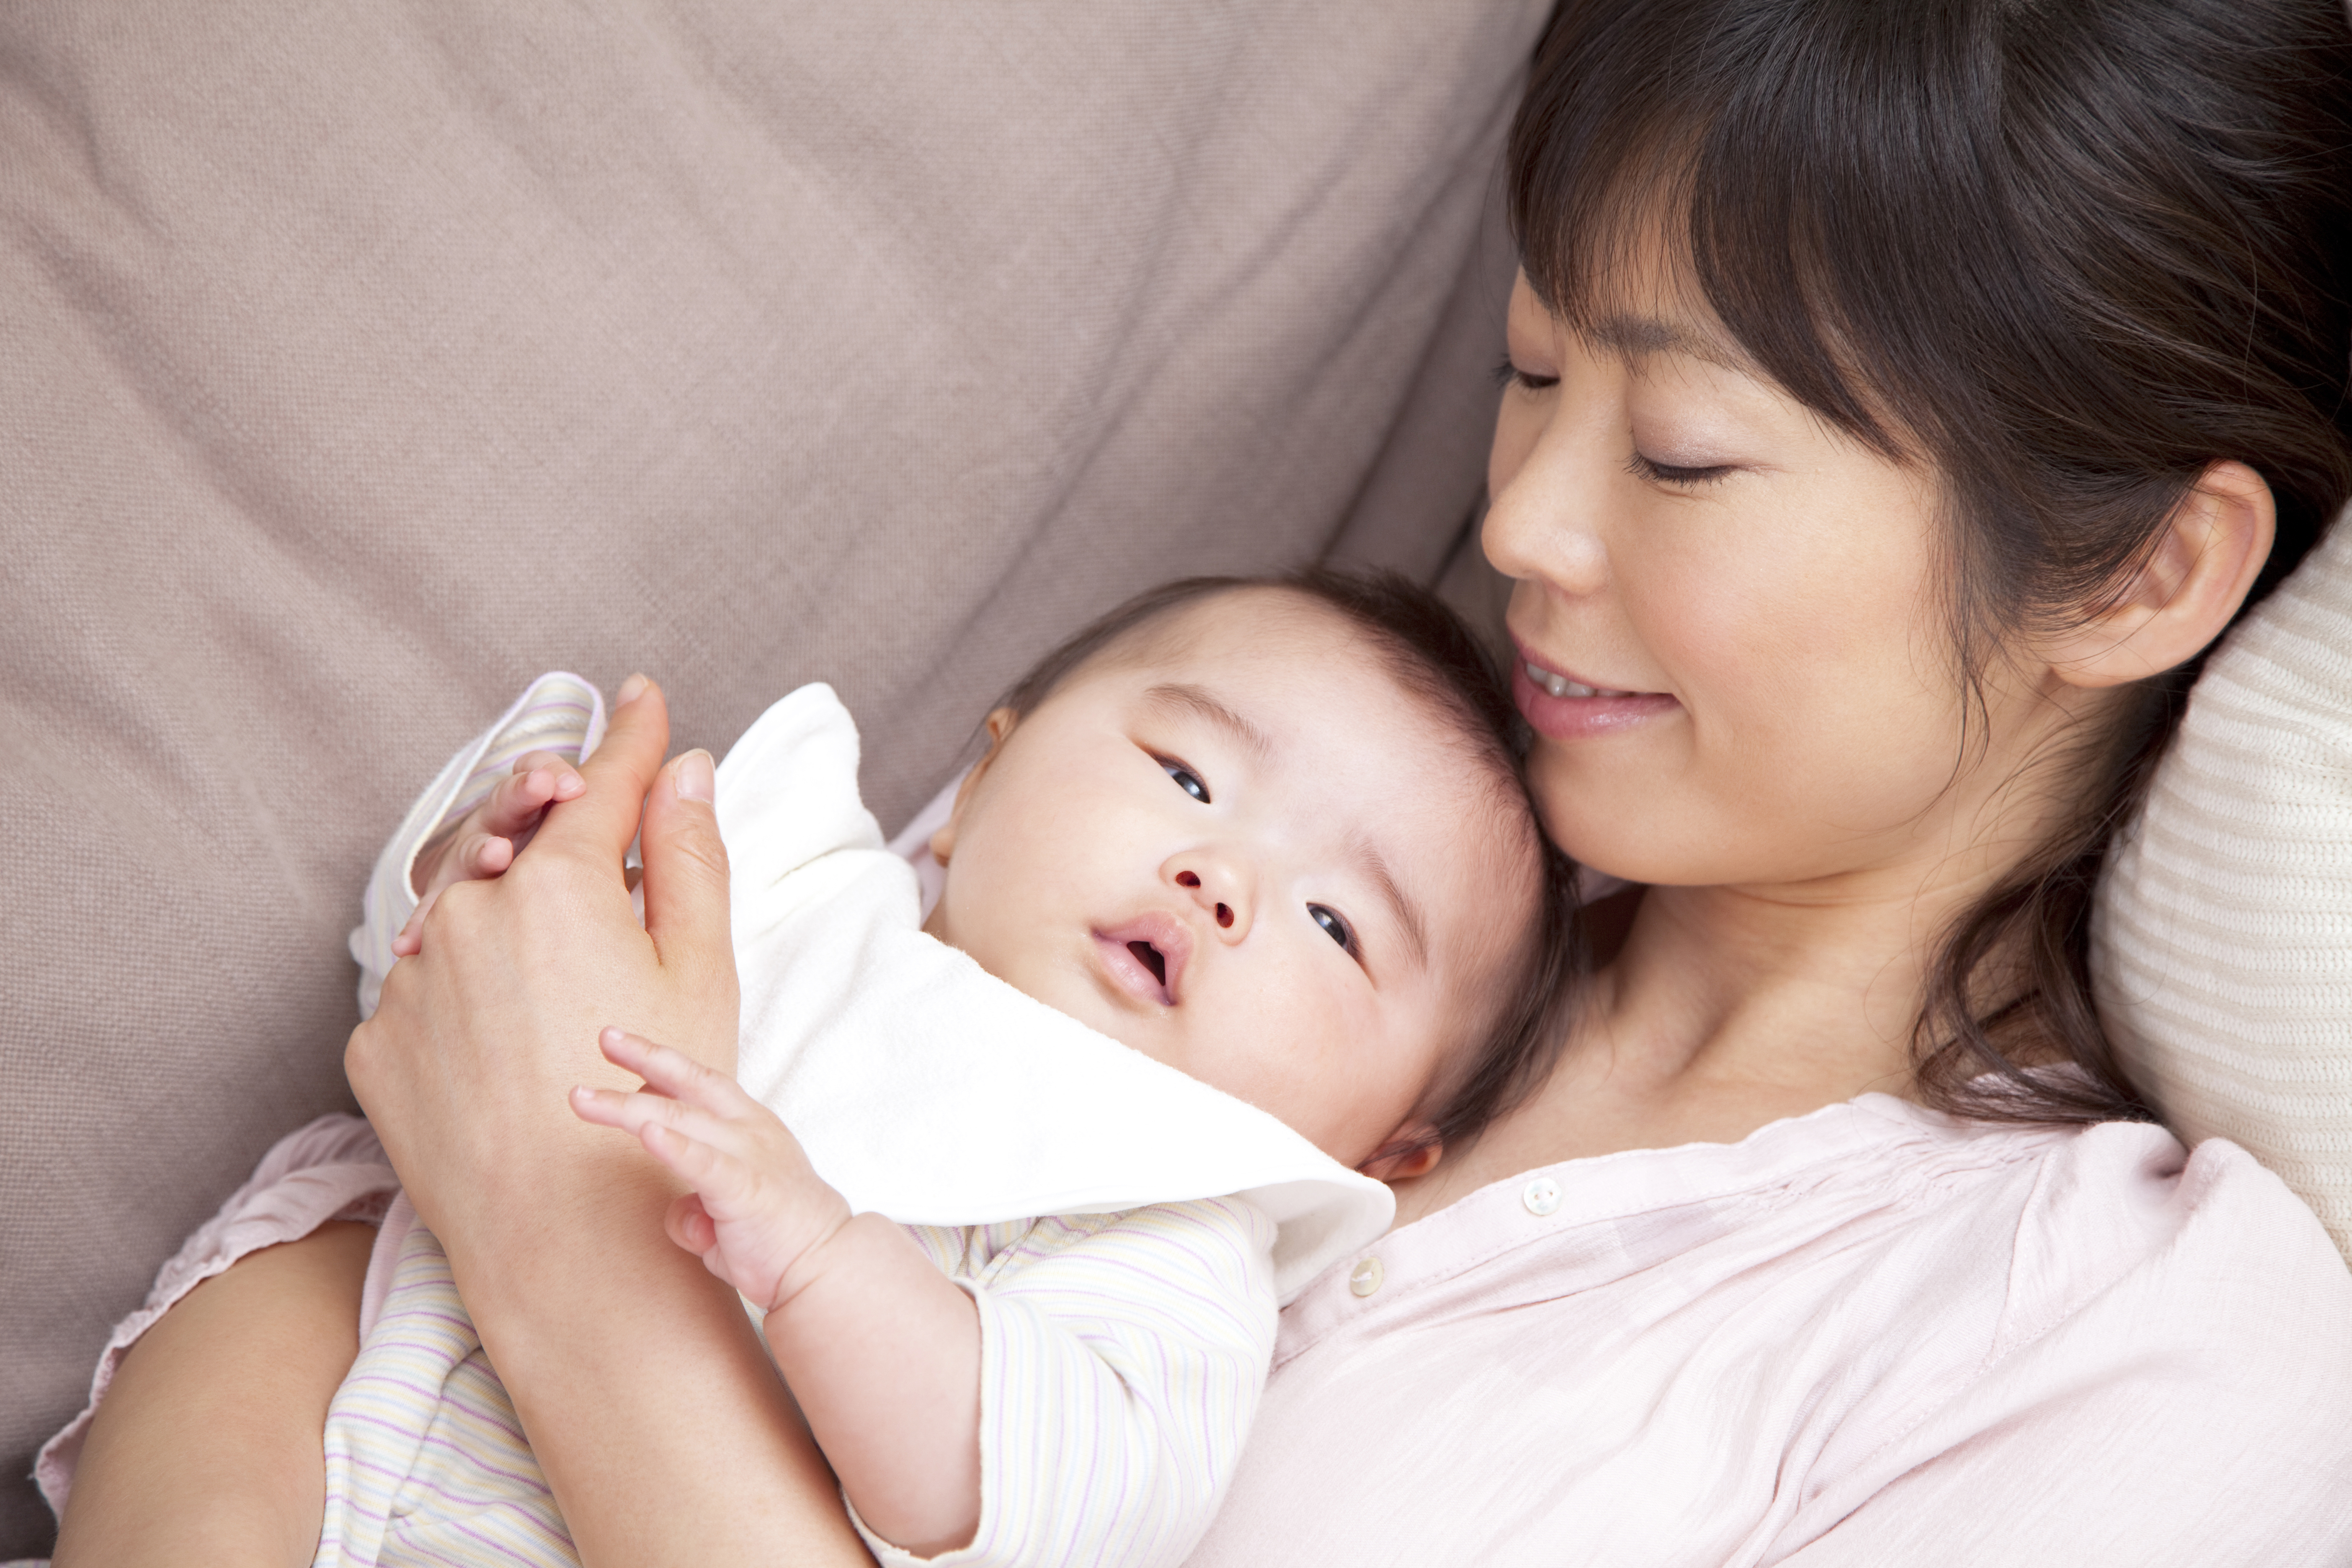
(1367, 1277)
(1542, 1196)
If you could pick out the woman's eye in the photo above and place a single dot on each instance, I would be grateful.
(1186, 779)
(1333, 925)
(1667, 474)
(1507, 374)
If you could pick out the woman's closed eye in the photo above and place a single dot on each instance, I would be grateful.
(1188, 781)
(1508, 375)
(1659, 473)
(1335, 926)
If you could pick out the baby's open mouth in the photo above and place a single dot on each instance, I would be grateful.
(1145, 956)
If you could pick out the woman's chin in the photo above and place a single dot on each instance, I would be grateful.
(1607, 824)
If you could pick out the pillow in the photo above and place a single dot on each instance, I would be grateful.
(364, 361)
(2221, 942)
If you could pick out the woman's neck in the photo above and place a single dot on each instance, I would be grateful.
(1724, 1009)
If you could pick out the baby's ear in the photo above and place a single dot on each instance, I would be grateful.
(998, 724)
(1412, 1149)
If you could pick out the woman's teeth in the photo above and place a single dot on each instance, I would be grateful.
(1561, 686)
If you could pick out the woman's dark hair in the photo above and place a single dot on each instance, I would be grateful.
(2066, 253)
(1438, 659)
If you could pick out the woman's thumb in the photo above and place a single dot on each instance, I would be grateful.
(685, 871)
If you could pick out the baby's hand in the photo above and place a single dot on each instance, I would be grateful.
(758, 1208)
(484, 844)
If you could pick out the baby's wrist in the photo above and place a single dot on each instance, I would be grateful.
(842, 1254)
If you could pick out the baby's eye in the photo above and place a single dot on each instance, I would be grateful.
(1186, 779)
(1333, 925)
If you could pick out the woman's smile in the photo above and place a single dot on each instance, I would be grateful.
(1564, 707)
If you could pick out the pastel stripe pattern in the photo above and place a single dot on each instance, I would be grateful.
(427, 1463)
(1121, 1361)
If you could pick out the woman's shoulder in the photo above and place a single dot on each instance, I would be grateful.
(2208, 1239)
(2080, 1210)
(2180, 1310)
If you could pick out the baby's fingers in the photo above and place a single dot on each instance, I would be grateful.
(679, 1076)
(689, 1224)
(540, 779)
(474, 857)
(689, 1142)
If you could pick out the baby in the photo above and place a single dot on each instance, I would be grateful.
(1244, 907)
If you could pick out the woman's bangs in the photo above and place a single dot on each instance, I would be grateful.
(1744, 161)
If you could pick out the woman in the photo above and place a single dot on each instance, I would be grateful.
(1902, 397)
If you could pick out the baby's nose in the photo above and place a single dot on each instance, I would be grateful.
(1219, 890)
(1193, 879)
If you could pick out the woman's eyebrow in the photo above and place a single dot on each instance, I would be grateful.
(1375, 867)
(1198, 702)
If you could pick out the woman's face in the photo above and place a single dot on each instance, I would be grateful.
(1731, 642)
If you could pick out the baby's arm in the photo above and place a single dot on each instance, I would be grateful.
(881, 1349)
(483, 843)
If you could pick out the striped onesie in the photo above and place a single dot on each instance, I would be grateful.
(1125, 1333)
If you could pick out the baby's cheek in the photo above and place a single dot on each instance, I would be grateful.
(1351, 1065)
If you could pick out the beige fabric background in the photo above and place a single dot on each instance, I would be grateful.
(357, 361)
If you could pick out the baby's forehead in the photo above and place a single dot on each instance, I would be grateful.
(1300, 677)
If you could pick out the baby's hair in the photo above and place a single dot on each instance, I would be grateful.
(1437, 657)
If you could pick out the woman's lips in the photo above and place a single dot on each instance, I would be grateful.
(1145, 956)
(1564, 708)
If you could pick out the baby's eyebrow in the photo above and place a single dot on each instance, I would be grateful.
(1375, 867)
(1197, 700)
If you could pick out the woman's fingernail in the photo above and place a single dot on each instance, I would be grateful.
(695, 779)
(631, 690)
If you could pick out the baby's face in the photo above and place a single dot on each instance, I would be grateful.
(1239, 846)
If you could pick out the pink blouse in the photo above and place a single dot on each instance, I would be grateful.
(1871, 1335)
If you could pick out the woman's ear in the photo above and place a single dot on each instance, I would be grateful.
(1412, 1149)
(998, 724)
(2200, 571)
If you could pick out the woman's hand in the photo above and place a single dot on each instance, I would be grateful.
(656, 1416)
(464, 1070)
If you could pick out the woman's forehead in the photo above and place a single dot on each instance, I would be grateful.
(1634, 323)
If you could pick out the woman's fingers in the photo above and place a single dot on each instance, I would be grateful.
(597, 824)
(685, 871)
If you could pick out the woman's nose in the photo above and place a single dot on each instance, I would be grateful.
(1222, 888)
(1542, 519)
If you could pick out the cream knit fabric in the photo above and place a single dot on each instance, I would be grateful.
(2222, 939)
